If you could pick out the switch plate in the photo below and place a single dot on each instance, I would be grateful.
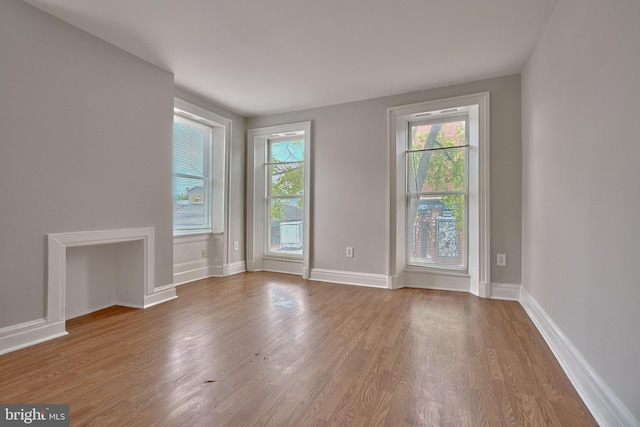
(349, 252)
(502, 260)
(204, 253)
(235, 246)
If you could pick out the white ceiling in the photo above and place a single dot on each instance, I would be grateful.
(265, 56)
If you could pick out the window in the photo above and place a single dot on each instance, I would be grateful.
(192, 142)
(440, 194)
(285, 197)
(199, 170)
(278, 198)
(437, 193)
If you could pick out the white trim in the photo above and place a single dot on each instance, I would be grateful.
(190, 265)
(428, 280)
(30, 333)
(350, 278)
(142, 295)
(505, 291)
(479, 229)
(257, 140)
(237, 267)
(195, 112)
(605, 406)
(205, 272)
(188, 276)
(183, 239)
(221, 160)
(283, 266)
(160, 295)
(57, 274)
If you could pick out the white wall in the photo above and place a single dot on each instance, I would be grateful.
(581, 201)
(350, 182)
(85, 144)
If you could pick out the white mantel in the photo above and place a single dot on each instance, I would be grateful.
(135, 286)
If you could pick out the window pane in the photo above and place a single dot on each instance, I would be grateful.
(436, 135)
(287, 179)
(189, 203)
(286, 151)
(436, 227)
(435, 171)
(190, 139)
(286, 229)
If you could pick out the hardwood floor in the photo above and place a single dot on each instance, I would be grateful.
(273, 349)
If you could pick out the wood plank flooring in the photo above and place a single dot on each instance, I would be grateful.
(272, 349)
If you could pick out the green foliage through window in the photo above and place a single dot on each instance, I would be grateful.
(286, 175)
(442, 166)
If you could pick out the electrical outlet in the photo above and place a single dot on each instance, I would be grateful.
(349, 252)
(204, 253)
(235, 246)
(502, 260)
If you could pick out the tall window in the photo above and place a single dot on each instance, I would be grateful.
(200, 154)
(279, 198)
(440, 194)
(285, 196)
(437, 193)
(192, 142)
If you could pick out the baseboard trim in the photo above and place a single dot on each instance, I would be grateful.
(188, 276)
(22, 335)
(160, 295)
(350, 278)
(605, 406)
(192, 275)
(505, 291)
(26, 334)
(237, 267)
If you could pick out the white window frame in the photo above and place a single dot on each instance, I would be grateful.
(258, 258)
(216, 169)
(477, 277)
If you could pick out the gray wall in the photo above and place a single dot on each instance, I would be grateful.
(350, 158)
(581, 202)
(236, 169)
(85, 144)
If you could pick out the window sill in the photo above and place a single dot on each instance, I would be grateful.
(283, 258)
(196, 236)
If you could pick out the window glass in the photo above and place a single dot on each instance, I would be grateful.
(191, 174)
(285, 197)
(437, 196)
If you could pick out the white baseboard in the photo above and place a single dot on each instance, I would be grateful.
(16, 337)
(182, 277)
(191, 275)
(237, 267)
(505, 291)
(29, 333)
(350, 278)
(160, 295)
(605, 406)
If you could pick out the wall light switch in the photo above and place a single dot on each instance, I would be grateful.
(235, 246)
